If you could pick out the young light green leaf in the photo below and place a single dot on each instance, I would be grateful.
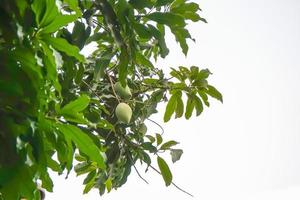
(88, 187)
(62, 45)
(108, 184)
(83, 142)
(164, 170)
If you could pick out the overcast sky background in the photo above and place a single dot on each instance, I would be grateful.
(248, 147)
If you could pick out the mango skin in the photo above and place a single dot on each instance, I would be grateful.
(123, 113)
(124, 93)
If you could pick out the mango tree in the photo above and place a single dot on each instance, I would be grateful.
(62, 111)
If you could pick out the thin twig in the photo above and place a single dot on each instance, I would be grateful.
(138, 173)
(91, 89)
(97, 23)
(179, 188)
(162, 129)
(112, 86)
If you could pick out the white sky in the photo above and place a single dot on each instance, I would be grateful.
(248, 147)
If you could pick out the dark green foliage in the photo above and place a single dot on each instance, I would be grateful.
(57, 105)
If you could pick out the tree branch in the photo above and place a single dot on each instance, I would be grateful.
(138, 173)
(162, 129)
(179, 188)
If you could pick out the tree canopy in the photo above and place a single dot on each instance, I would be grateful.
(62, 111)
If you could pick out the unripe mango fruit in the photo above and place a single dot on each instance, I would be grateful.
(124, 93)
(123, 112)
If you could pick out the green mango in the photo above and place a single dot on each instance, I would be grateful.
(124, 93)
(123, 112)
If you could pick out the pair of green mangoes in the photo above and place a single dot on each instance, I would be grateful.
(123, 110)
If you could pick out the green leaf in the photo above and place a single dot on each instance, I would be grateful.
(142, 30)
(160, 3)
(151, 138)
(198, 105)
(108, 184)
(176, 154)
(194, 72)
(160, 36)
(170, 109)
(83, 168)
(167, 18)
(21, 184)
(102, 63)
(143, 61)
(164, 170)
(158, 139)
(58, 22)
(39, 8)
(204, 97)
(179, 108)
(181, 35)
(80, 158)
(186, 7)
(73, 5)
(50, 14)
(88, 187)
(141, 4)
(203, 74)
(62, 45)
(190, 105)
(213, 92)
(49, 62)
(83, 142)
(148, 146)
(123, 66)
(90, 177)
(77, 105)
(22, 6)
(168, 144)
(71, 111)
(52, 164)
(47, 182)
